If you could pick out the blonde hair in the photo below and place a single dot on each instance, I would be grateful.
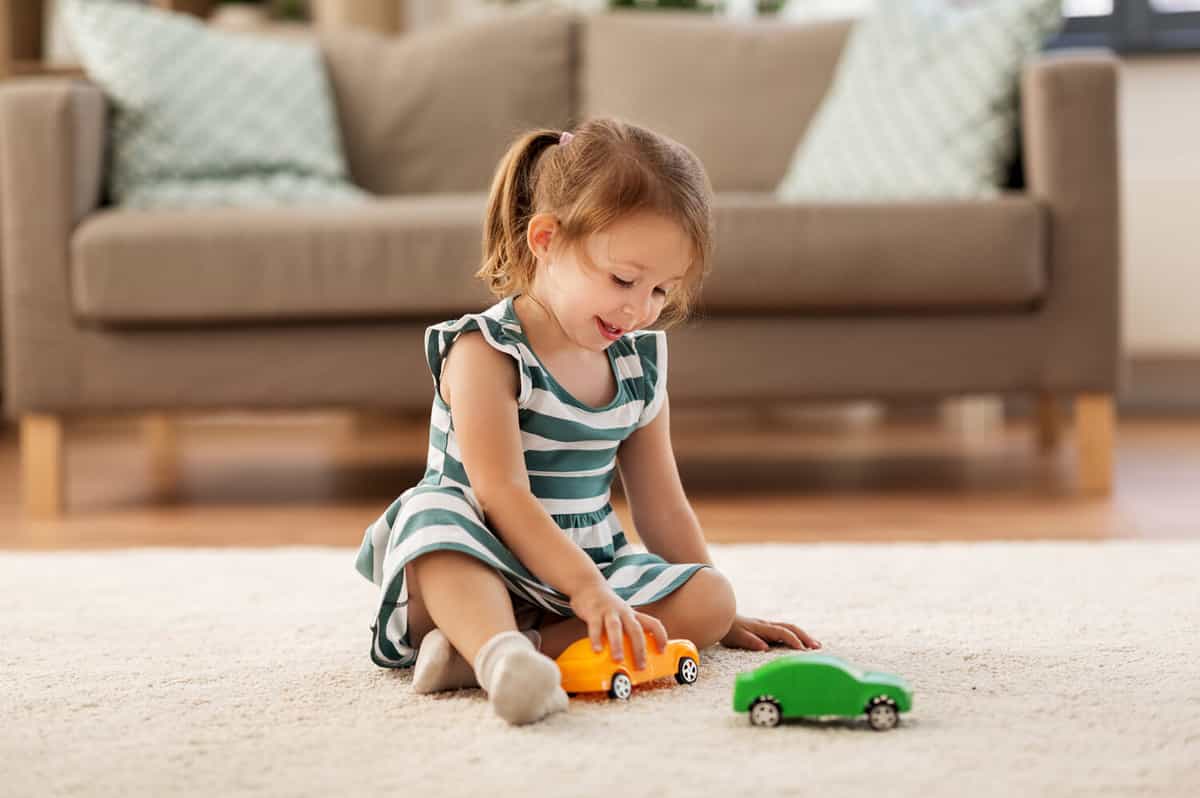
(607, 170)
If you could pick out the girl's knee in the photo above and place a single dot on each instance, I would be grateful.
(709, 608)
(720, 600)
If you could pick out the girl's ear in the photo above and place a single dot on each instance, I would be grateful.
(542, 229)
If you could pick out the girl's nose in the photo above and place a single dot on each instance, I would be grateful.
(648, 307)
(639, 313)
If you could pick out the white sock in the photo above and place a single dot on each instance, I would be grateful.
(523, 684)
(440, 667)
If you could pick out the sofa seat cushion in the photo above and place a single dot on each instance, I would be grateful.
(415, 256)
(938, 256)
(400, 256)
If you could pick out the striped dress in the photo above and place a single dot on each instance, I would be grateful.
(570, 455)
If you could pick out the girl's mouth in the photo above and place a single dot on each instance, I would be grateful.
(609, 332)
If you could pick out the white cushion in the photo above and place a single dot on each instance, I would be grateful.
(208, 117)
(923, 105)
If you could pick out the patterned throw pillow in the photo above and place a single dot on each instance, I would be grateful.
(203, 117)
(923, 104)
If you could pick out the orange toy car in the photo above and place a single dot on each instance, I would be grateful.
(587, 671)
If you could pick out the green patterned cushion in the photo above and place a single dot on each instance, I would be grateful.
(203, 117)
(923, 104)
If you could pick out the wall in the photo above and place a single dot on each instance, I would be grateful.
(1160, 160)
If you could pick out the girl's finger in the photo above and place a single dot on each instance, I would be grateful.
(781, 634)
(804, 636)
(637, 639)
(656, 629)
(612, 627)
(744, 638)
(596, 633)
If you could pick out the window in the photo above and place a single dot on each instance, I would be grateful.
(1087, 8)
(1175, 6)
(1132, 25)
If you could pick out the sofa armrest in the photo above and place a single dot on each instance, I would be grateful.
(52, 135)
(1069, 126)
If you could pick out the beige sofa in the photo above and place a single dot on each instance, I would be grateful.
(108, 310)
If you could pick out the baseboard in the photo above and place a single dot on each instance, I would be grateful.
(1165, 385)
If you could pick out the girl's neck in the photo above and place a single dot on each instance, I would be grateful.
(543, 329)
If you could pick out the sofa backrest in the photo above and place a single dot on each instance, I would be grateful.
(739, 94)
(434, 111)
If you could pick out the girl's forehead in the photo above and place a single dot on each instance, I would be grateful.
(647, 242)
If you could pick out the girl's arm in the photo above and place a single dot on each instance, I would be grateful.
(662, 514)
(666, 523)
(480, 385)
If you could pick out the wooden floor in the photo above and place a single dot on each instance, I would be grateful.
(321, 478)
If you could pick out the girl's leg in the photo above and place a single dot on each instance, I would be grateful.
(701, 610)
(459, 595)
(470, 605)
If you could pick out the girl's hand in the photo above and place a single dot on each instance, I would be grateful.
(757, 635)
(607, 615)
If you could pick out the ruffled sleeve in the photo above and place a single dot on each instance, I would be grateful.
(499, 334)
(651, 347)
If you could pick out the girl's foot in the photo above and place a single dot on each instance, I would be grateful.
(440, 667)
(523, 685)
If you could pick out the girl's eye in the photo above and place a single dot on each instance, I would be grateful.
(660, 291)
(622, 283)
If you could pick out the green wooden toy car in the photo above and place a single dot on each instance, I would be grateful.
(818, 685)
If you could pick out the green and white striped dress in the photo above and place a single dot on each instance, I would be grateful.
(570, 454)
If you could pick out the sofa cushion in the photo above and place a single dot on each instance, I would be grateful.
(414, 257)
(905, 256)
(924, 104)
(434, 110)
(739, 95)
(206, 117)
(407, 256)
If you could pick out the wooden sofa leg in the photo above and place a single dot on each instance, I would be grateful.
(161, 441)
(975, 418)
(1049, 422)
(43, 466)
(1095, 427)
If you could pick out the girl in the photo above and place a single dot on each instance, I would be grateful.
(508, 550)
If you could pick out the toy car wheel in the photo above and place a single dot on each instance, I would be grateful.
(688, 671)
(621, 688)
(882, 714)
(765, 712)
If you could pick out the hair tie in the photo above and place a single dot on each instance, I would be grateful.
(565, 138)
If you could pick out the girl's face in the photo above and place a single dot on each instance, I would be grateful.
(618, 280)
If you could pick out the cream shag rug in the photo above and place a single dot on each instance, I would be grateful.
(1039, 669)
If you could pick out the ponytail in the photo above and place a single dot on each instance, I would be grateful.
(508, 263)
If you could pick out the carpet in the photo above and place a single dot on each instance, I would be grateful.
(1039, 669)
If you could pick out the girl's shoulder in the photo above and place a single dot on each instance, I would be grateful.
(497, 326)
(497, 323)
